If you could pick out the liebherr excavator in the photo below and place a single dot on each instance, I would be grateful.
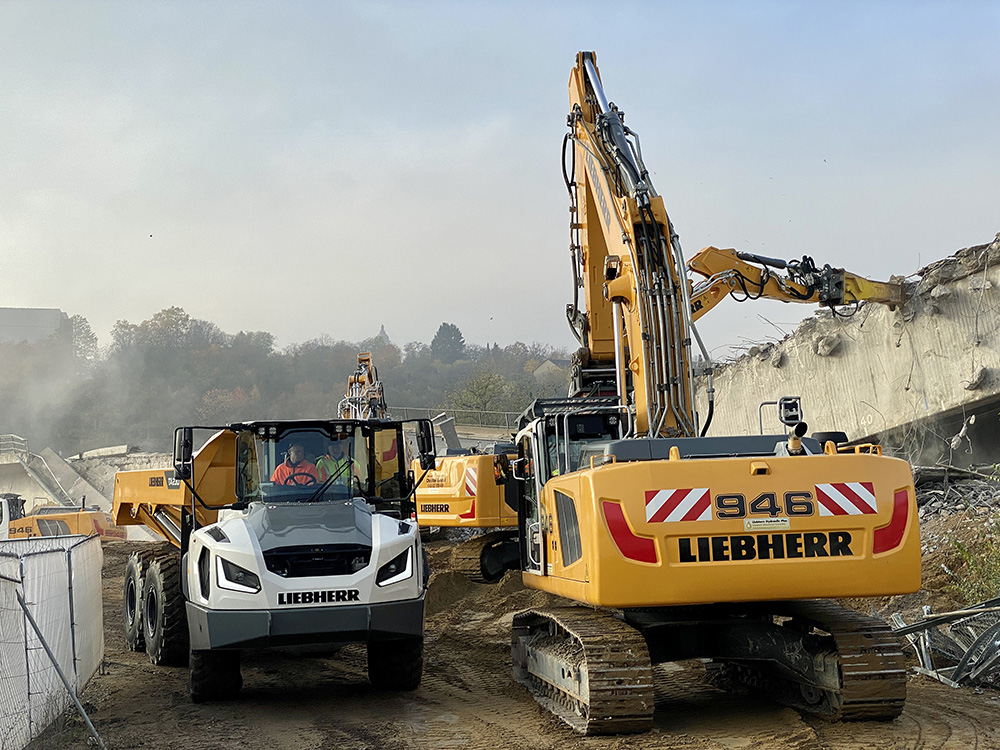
(470, 491)
(365, 398)
(677, 544)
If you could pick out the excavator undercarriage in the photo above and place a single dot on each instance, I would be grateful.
(593, 668)
(485, 558)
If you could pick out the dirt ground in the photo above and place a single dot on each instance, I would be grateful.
(468, 699)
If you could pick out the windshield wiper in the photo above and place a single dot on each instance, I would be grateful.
(318, 492)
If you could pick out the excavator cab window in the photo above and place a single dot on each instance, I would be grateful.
(566, 437)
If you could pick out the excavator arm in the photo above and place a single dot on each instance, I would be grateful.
(627, 260)
(747, 276)
(635, 322)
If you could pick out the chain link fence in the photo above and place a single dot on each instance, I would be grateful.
(51, 630)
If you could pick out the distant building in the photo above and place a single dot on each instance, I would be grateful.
(32, 325)
(379, 339)
(552, 367)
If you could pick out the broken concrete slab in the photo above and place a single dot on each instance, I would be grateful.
(909, 378)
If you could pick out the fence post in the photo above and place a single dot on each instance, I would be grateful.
(55, 664)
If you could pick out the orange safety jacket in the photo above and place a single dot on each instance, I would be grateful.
(285, 469)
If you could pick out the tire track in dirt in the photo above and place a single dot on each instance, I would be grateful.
(936, 717)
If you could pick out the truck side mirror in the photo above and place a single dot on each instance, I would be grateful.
(425, 444)
(183, 451)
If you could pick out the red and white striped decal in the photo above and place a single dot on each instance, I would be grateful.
(470, 482)
(846, 498)
(665, 506)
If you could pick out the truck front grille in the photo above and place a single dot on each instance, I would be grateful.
(319, 560)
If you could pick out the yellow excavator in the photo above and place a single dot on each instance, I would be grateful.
(668, 543)
(468, 490)
(53, 520)
(365, 397)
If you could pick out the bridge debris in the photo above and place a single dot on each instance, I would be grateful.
(957, 648)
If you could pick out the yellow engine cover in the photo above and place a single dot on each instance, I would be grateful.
(461, 491)
(672, 532)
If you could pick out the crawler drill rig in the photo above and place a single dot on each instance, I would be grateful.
(669, 544)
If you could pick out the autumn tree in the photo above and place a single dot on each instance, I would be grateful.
(448, 344)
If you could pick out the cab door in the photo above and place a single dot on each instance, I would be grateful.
(532, 530)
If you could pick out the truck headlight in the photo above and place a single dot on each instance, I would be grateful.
(231, 576)
(204, 572)
(397, 569)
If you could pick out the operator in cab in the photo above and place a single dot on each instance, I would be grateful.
(336, 463)
(295, 469)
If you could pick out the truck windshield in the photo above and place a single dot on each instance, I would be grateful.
(316, 465)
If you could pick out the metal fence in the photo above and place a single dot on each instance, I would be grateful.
(466, 417)
(51, 630)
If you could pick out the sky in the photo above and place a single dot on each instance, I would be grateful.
(325, 168)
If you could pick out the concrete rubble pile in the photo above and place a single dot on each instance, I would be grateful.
(946, 496)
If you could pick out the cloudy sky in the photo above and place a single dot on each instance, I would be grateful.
(311, 168)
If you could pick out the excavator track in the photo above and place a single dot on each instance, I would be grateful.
(586, 667)
(467, 557)
(870, 658)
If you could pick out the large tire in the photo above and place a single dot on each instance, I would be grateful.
(164, 620)
(132, 602)
(396, 665)
(214, 676)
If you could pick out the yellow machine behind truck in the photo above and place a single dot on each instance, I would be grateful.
(684, 545)
(266, 549)
(469, 490)
(53, 520)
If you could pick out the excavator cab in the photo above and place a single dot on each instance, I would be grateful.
(555, 434)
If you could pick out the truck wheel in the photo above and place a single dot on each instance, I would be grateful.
(396, 665)
(164, 620)
(214, 676)
(132, 603)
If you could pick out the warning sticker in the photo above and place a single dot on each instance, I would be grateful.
(755, 524)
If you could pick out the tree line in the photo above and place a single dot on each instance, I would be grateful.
(173, 369)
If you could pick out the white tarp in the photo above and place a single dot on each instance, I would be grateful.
(59, 579)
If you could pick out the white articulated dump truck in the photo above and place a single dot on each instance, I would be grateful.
(281, 533)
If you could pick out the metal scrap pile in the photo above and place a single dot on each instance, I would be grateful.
(957, 648)
(962, 647)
